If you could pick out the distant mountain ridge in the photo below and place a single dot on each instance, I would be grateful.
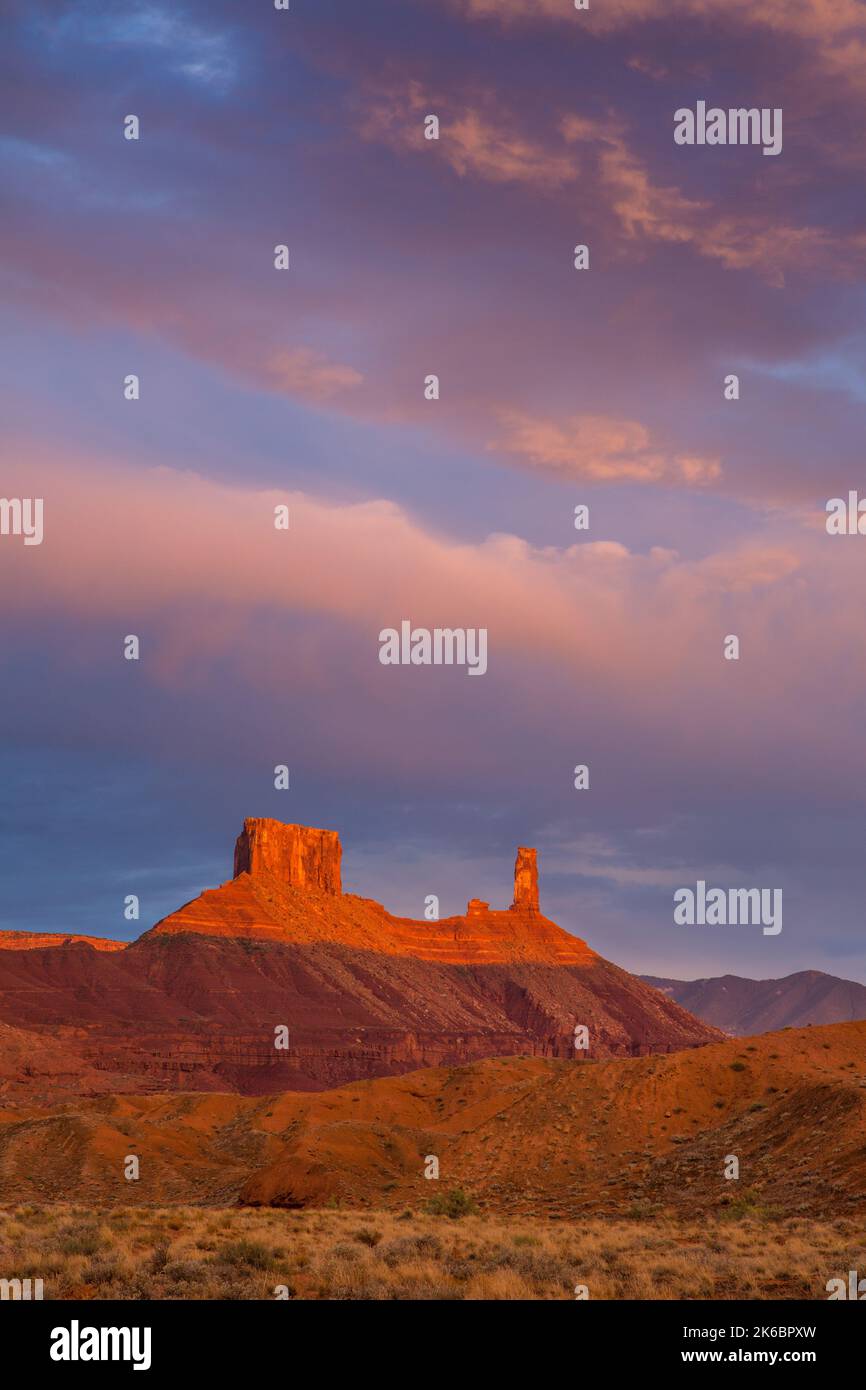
(740, 1006)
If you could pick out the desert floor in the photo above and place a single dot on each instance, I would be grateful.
(265, 1253)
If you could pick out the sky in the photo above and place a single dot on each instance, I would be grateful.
(558, 388)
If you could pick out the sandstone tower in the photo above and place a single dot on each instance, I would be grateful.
(525, 881)
(295, 855)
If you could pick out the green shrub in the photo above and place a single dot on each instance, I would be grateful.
(453, 1204)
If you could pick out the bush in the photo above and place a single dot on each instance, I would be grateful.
(248, 1252)
(86, 1240)
(159, 1258)
(344, 1251)
(367, 1237)
(747, 1203)
(182, 1271)
(398, 1252)
(101, 1270)
(536, 1266)
(453, 1204)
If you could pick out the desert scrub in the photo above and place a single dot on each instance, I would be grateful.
(453, 1204)
(247, 1252)
(84, 1240)
(748, 1253)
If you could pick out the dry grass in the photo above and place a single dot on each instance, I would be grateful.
(205, 1253)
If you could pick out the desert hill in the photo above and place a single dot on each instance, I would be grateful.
(740, 1006)
(194, 1003)
(519, 1134)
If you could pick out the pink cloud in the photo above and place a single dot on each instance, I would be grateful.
(120, 542)
(824, 20)
(233, 327)
(478, 140)
(600, 448)
(649, 211)
(308, 375)
(481, 140)
(200, 569)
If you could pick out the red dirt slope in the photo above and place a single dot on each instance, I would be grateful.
(519, 1134)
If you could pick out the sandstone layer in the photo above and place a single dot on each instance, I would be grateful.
(196, 1002)
(40, 940)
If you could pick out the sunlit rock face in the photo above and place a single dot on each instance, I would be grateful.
(295, 855)
(197, 1001)
(526, 881)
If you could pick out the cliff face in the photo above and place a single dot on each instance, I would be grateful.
(286, 889)
(295, 855)
(194, 1003)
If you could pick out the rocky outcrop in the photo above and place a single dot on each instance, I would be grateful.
(525, 881)
(40, 940)
(295, 855)
(194, 1003)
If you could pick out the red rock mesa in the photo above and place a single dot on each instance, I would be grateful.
(193, 1003)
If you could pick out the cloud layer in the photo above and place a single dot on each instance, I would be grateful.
(559, 387)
